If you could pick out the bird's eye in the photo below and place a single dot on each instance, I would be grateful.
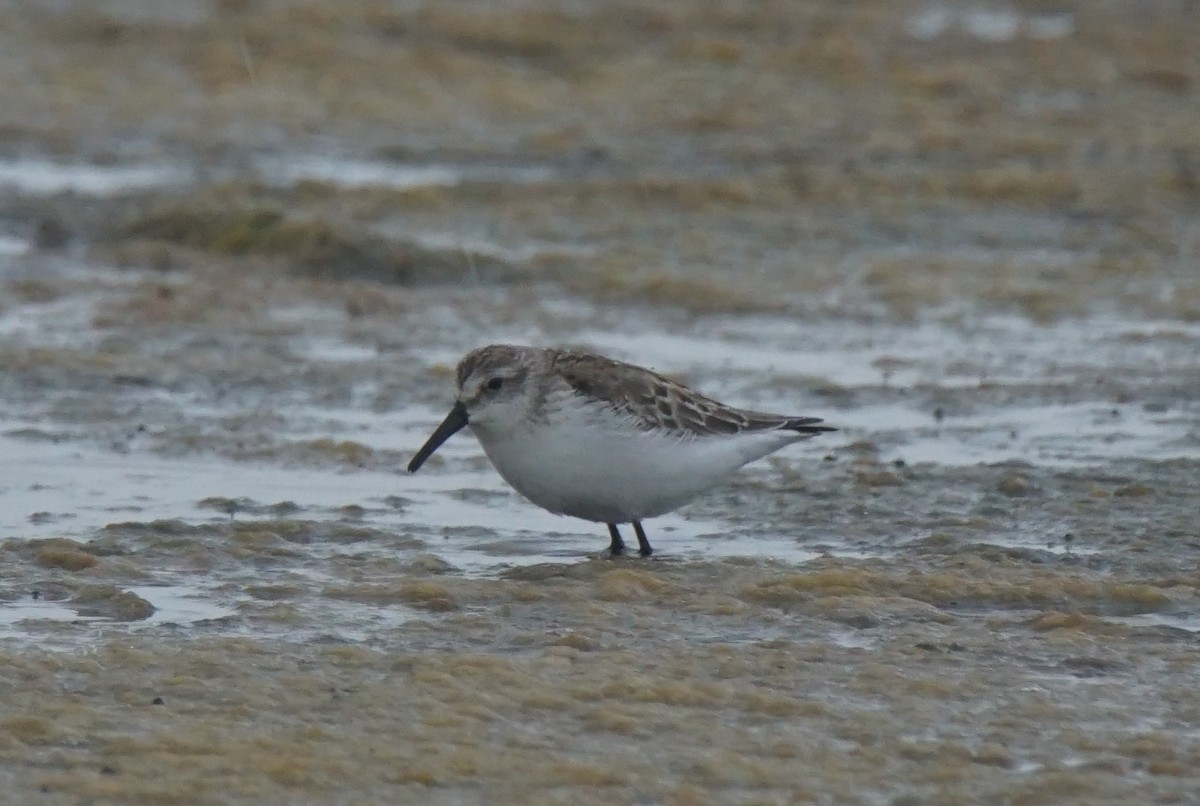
(495, 383)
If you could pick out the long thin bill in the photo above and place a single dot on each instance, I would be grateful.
(454, 422)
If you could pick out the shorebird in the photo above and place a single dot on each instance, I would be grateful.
(583, 435)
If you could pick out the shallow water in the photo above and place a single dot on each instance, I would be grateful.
(44, 177)
(894, 390)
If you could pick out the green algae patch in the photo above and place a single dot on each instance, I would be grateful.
(273, 593)
(110, 602)
(691, 693)
(1014, 588)
(1054, 620)
(343, 451)
(1136, 490)
(429, 565)
(428, 596)
(54, 552)
(627, 277)
(1016, 485)
(31, 729)
(67, 559)
(312, 246)
(167, 529)
(306, 532)
(627, 584)
(804, 587)
(420, 594)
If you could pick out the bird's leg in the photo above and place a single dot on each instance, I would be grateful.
(617, 547)
(643, 544)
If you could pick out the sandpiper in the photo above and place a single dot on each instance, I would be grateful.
(583, 435)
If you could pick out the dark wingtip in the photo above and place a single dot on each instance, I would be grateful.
(808, 425)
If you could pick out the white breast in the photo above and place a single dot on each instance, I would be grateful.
(604, 470)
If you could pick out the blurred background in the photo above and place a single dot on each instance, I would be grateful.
(886, 157)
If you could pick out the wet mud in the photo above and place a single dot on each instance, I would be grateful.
(243, 245)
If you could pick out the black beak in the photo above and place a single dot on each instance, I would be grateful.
(454, 422)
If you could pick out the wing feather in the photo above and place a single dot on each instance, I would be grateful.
(657, 403)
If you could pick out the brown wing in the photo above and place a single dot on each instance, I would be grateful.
(655, 402)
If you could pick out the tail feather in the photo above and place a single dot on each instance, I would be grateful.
(806, 425)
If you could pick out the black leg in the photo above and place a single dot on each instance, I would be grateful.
(643, 544)
(617, 547)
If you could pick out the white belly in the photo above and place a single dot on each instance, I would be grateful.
(617, 476)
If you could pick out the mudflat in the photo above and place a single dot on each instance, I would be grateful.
(242, 246)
